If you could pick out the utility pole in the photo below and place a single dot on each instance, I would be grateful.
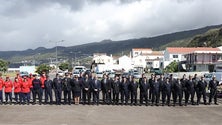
(56, 46)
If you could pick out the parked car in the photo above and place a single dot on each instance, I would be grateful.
(112, 74)
(156, 71)
(76, 74)
(61, 73)
(125, 74)
(99, 74)
(24, 73)
(136, 75)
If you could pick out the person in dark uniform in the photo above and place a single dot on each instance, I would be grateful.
(111, 89)
(201, 90)
(48, 90)
(37, 89)
(124, 91)
(57, 86)
(155, 88)
(86, 86)
(166, 92)
(76, 87)
(184, 81)
(196, 80)
(144, 87)
(133, 89)
(96, 87)
(140, 82)
(106, 89)
(178, 91)
(130, 80)
(190, 91)
(150, 83)
(116, 90)
(162, 80)
(213, 90)
(66, 82)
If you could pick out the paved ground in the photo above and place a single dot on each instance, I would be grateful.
(110, 115)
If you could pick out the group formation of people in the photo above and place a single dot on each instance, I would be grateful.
(86, 89)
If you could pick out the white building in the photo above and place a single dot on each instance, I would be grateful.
(103, 59)
(140, 51)
(139, 61)
(125, 63)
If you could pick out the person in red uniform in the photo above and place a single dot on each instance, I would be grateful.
(42, 79)
(26, 91)
(17, 90)
(20, 79)
(1, 86)
(8, 90)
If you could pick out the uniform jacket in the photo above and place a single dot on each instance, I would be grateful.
(213, 85)
(36, 84)
(57, 84)
(48, 84)
(17, 86)
(96, 85)
(105, 85)
(26, 87)
(116, 86)
(144, 87)
(8, 86)
(42, 78)
(201, 86)
(1, 83)
(66, 82)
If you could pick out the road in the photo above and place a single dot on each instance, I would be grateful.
(109, 115)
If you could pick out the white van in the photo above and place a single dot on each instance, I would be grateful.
(79, 69)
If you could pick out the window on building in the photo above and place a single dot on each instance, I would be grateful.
(214, 58)
(175, 56)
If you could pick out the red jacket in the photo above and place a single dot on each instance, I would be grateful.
(1, 83)
(43, 81)
(17, 87)
(30, 81)
(26, 87)
(8, 86)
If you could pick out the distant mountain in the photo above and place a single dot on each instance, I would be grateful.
(108, 46)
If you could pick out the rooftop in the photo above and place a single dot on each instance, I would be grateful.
(184, 50)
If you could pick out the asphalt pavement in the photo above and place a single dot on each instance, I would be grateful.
(110, 115)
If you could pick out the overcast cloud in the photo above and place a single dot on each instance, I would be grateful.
(28, 24)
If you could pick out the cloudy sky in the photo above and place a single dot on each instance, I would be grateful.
(28, 24)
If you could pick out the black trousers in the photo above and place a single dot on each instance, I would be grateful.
(86, 94)
(177, 95)
(199, 94)
(96, 97)
(8, 95)
(155, 97)
(58, 96)
(67, 93)
(144, 96)
(115, 97)
(106, 97)
(134, 97)
(124, 96)
(213, 94)
(35, 93)
(189, 94)
(18, 97)
(48, 94)
(166, 95)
